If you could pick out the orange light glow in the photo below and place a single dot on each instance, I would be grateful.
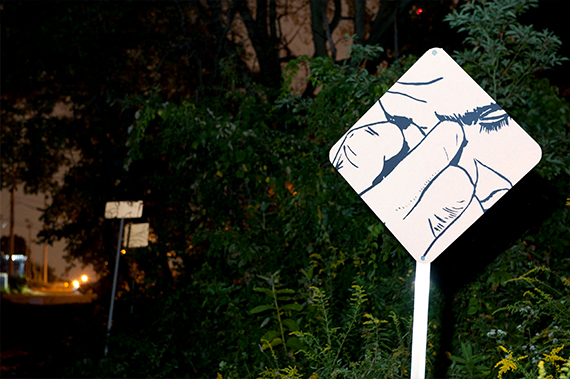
(84, 278)
(76, 284)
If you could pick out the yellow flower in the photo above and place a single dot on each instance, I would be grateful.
(553, 356)
(508, 363)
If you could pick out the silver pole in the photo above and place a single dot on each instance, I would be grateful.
(420, 323)
(114, 283)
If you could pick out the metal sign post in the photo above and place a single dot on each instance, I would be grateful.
(429, 158)
(122, 210)
(114, 290)
(420, 321)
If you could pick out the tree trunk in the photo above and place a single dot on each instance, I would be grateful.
(322, 29)
(264, 39)
(396, 31)
(12, 201)
(385, 18)
(45, 265)
(29, 261)
(319, 37)
(380, 24)
(328, 32)
(359, 13)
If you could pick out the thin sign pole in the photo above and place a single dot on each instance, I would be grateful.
(115, 281)
(133, 281)
(419, 330)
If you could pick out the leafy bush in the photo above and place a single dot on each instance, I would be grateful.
(544, 327)
(236, 182)
(373, 353)
(503, 55)
(17, 283)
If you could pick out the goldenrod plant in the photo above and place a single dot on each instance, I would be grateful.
(374, 352)
(281, 306)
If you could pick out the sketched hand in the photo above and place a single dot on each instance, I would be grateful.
(363, 153)
(424, 192)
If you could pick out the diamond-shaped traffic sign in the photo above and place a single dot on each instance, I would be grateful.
(433, 154)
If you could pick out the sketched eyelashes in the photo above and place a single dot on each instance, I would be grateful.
(491, 118)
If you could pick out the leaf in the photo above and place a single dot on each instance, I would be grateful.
(295, 344)
(270, 335)
(261, 308)
(276, 342)
(291, 324)
(295, 307)
(265, 322)
(264, 290)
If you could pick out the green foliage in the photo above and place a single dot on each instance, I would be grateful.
(17, 283)
(284, 373)
(469, 364)
(278, 297)
(261, 250)
(234, 184)
(563, 371)
(544, 325)
(344, 92)
(502, 55)
(347, 342)
(327, 354)
(526, 313)
(546, 117)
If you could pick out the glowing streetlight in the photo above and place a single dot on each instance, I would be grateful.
(76, 284)
(84, 278)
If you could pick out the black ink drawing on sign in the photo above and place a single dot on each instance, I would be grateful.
(438, 175)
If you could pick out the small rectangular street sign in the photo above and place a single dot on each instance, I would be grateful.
(123, 209)
(136, 235)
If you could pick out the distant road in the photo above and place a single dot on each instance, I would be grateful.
(46, 341)
(44, 298)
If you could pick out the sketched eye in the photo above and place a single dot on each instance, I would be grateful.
(493, 119)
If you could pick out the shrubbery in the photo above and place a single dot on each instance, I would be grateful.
(266, 263)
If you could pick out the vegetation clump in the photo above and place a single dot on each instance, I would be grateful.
(264, 262)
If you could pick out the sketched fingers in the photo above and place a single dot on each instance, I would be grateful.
(362, 154)
(444, 201)
(399, 192)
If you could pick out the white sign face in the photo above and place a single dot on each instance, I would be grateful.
(433, 154)
(123, 209)
(136, 235)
